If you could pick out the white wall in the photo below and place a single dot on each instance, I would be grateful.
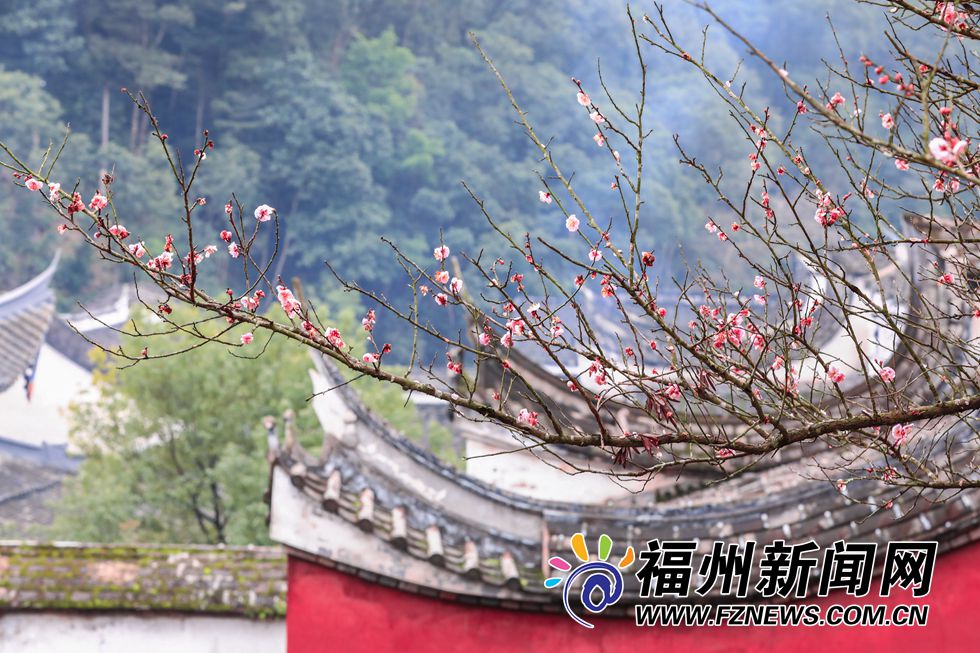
(47, 632)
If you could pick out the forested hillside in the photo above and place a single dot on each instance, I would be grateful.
(357, 119)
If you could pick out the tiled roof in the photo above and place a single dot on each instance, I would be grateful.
(374, 504)
(25, 313)
(248, 581)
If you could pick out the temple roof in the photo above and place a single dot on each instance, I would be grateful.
(25, 314)
(248, 581)
(374, 504)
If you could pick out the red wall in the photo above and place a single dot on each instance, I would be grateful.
(329, 610)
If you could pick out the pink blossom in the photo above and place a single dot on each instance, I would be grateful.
(527, 417)
(597, 117)
(673, 392)
(887, 121)
(263, 212)
(234, 250)
(226, 235)
(119, 231)
(368, 321)
(583, 99)
(228, 208)
(371, 359)
(441, 276)
(247, 338)
(62, 228)
(485, 339)
(599, 140)
(946, 279)
(162, 262)
(946, 150)
(544, 197)
(98, 202)
(595, 255)
(759, 282)
(288, 301)
(456, 285)
(901, 433)
(33, 184)
(442, 299)
(53, 189)
(887, 374)
(440, 253)
(138, 249)
(835, 375)
(572, 223)
(901, 164)
(836, 100)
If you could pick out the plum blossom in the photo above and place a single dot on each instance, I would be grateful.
(452, 366)
(441, 276)
(673, 392)
(527, 417)
(599, 140)
(234, 250)
(485, 339)
(98, 202)
(572, 223)
(835, 375)
(946, 279)
(947, 150)
(759, 282)
(901, 164)
(583, 98)
(368, 321)
(456, 285)
(162, 262)
(263, 212)
(119, 231)
(290, 305)
(53, 189)
(442, 299)
(440, 253)
(371, 359)
(33, 184)
(138, 249)
(332, 335)
(544, 197)
(225, 235)
(247, 338)
(887, 121)
(901, 433)
(595, 255)
(887, 374)
(597, 117)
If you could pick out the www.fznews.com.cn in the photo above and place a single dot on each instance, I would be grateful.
(782, 574)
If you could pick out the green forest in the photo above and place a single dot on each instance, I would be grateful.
(356, 119)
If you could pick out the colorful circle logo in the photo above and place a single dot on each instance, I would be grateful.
(602, 582)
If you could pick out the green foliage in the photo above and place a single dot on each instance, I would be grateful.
(175, 447)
